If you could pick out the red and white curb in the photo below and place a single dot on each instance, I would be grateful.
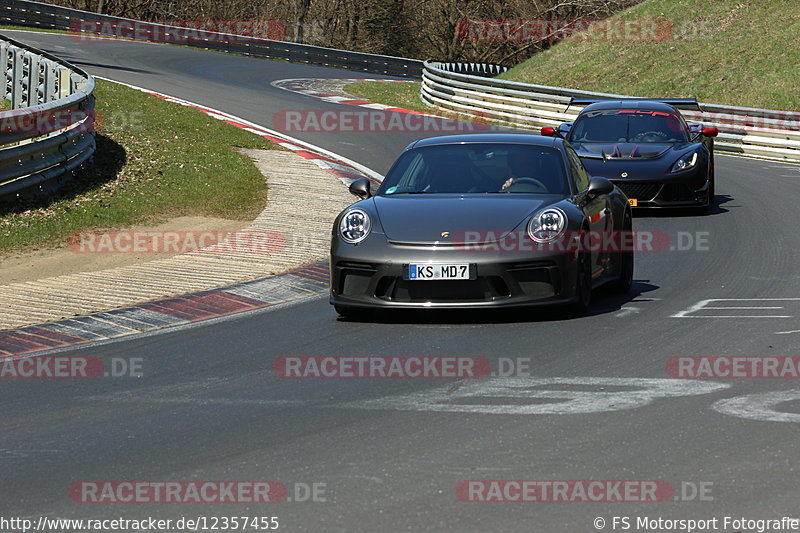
(303, 282)
(335, 94)
(308, 280)
(345, 170)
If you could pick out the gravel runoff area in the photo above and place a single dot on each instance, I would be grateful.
(303, 200)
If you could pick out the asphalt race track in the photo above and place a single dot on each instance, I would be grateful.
(208, 406)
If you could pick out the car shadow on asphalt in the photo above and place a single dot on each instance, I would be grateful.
(604, 301)
(680, 212)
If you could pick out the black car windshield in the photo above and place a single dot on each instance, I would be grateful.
(479, 168)
(628, 126)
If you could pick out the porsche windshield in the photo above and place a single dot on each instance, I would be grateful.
(478, 168)
(628, 126)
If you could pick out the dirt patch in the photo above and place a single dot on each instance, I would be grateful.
(29, 266)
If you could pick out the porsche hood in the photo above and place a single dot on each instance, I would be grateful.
(428, 219)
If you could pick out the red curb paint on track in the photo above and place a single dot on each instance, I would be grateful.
(191, 307)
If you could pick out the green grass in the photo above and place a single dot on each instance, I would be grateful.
(29, 28)
(405, 95)
(155, 160)
(733, 52)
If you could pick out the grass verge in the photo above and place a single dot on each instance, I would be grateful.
(722, 51)
(405, 95)
(155, 160)
(29, 28)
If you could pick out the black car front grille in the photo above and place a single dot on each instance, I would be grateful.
(536, 281)
(482, 289)
(677, 192)
(640, 191)
(354, 278)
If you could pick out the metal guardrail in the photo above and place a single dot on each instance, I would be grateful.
(48, 131)
(47, 16)
(754, 132)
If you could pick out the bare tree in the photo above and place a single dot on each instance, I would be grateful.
(426, 29)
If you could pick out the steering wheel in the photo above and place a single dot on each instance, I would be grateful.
(650, 136)
(531, 181)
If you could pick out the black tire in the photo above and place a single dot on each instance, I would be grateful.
(625, 261)
(583, 284)
(711, 190)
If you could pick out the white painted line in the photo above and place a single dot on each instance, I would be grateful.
(733, 307)
(194, 400)
(761, 406)
(627, 311)
(338, 99)
(696, 307)
(289, 146)
(380, 107)
(753, 300)
(702, 305)
(737, 316)
(329, 165)
(787, 332)
(540, 396)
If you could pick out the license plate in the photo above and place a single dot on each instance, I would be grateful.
(633, 202)
(430, 271)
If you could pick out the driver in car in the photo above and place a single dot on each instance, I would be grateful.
(521, 164)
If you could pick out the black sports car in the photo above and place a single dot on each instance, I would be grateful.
(479, 221)
(647, 149)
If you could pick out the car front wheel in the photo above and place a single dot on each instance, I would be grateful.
(583, 284)
(623, 284)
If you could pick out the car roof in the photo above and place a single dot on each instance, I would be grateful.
(644, 104)
(501, 138)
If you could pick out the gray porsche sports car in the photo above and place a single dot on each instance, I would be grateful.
(486, 220)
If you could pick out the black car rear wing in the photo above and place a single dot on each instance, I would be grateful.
(684, 103)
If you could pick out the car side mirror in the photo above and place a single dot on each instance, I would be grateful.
(711, 131)
(547, 131)
(360, 188)
(599, 186)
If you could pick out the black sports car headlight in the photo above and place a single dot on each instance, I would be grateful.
(355, 226)
(547, 225)
(685, 162)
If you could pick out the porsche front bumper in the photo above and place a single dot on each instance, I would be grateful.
(372, 275)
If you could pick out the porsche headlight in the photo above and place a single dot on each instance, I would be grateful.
(547, 225)
(355, 226)
(685, 163)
